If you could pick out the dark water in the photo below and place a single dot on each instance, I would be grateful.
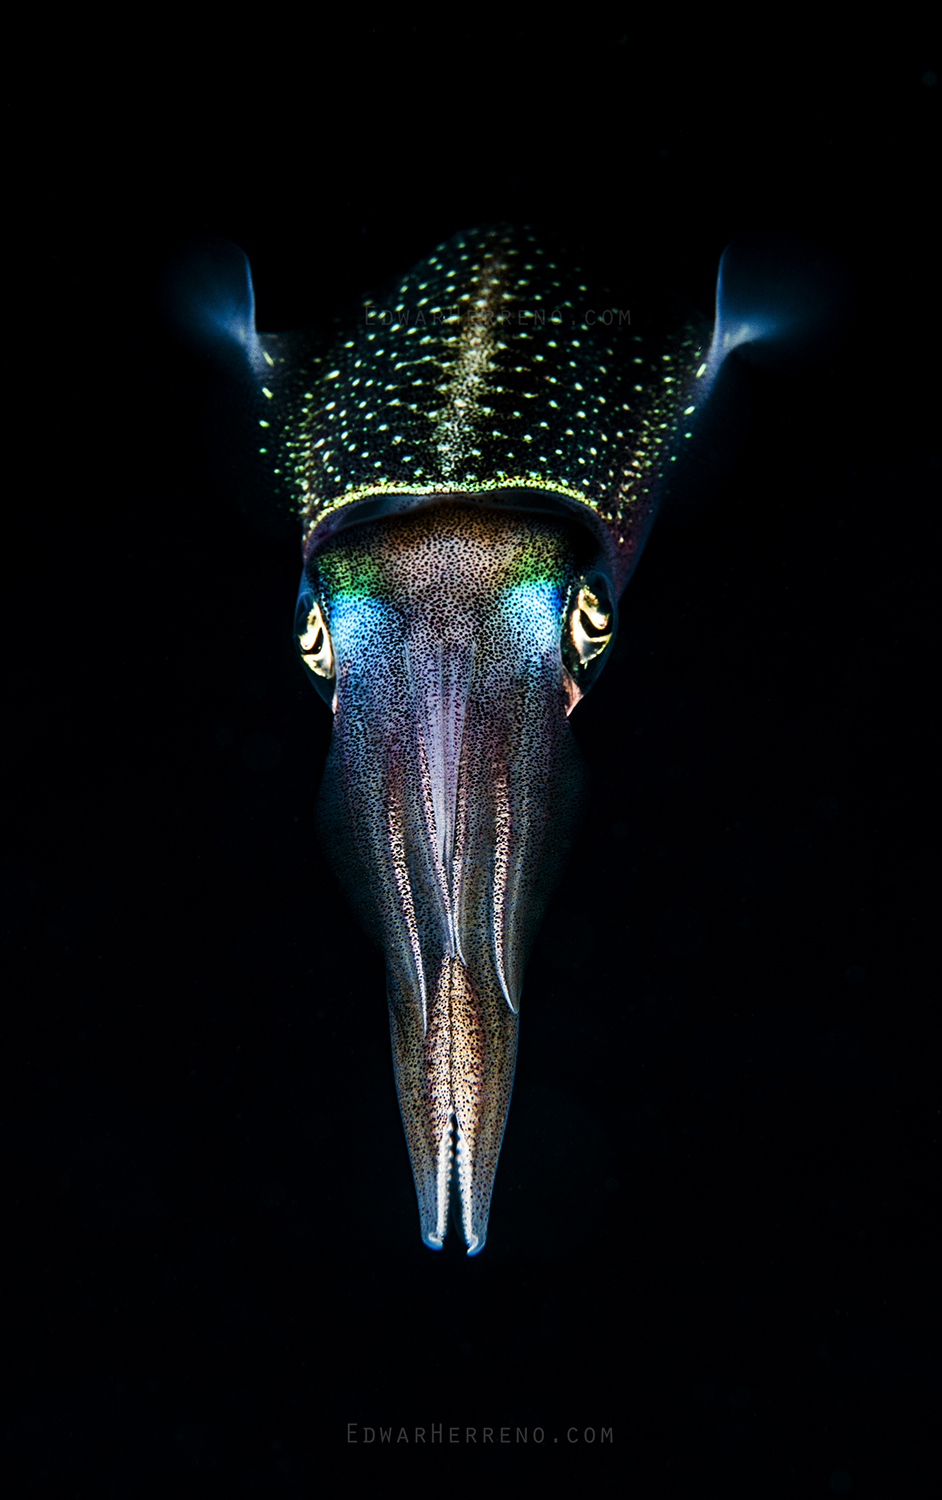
(710, 1245)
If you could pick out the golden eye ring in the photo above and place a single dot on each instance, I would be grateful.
(314, 643)
(590, 626)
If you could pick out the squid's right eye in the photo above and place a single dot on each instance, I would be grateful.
(314, 642)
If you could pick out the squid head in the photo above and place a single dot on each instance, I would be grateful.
(453, 641)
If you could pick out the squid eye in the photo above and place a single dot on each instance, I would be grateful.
(313, 639)
(591, 625)
(588, 628)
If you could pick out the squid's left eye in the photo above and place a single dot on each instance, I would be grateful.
(588, 629)
(591, 625)
(314, 641)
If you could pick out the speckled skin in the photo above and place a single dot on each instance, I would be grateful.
(448, 801)
(490, 372)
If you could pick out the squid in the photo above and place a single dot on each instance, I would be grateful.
(475, 461)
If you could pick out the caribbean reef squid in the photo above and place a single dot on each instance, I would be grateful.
(475, 461)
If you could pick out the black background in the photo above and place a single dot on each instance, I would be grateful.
(711, 1229)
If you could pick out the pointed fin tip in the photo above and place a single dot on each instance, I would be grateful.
(208, 292)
